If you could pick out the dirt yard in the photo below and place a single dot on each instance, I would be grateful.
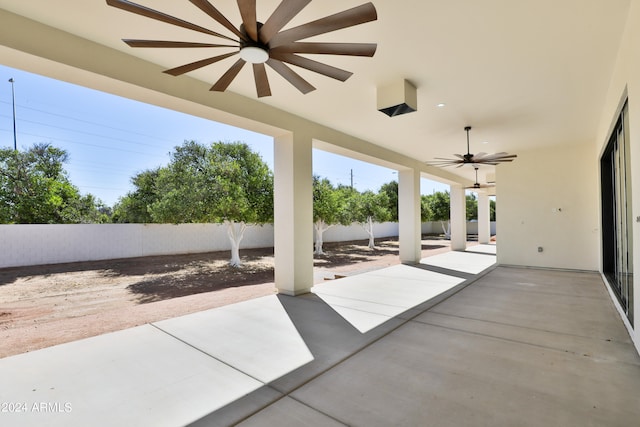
(46, 305)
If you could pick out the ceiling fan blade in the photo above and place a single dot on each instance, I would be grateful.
(280, 17)
(223, 83)
(348, 18)
(262, 82)
(502, 153)
(170, 44)
(311, 65)
(445, 163)
(352, 49)
(485, 162)
(499, 156)
(459, 156)
(480, 155)
(291, 76)
(210, 10)
(249, 19)
(198, 64)
(163, 17)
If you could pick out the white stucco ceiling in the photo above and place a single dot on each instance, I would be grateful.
(524, 74)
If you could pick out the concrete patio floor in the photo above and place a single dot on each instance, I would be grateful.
(451, 341)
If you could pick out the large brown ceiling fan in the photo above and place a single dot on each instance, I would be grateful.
(259, 43)
(473, 159)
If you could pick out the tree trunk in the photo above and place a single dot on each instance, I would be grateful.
(447, 231)
(235, 236)
(320, 228)
(368, 227)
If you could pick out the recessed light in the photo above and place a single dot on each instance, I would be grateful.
(441, 105)
(485, 142)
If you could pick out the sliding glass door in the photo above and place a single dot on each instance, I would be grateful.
(617, 219)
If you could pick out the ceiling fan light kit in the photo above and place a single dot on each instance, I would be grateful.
(260, 44)
(253, 51)
(254, 55)
(473, 159)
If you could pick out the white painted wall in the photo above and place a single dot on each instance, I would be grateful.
(626, 82)
(35, 244)
(341, 233)
(472, 227)
(549, 198)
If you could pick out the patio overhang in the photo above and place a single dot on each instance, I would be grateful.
(541, 79)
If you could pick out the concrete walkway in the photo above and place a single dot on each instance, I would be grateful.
(386, 348)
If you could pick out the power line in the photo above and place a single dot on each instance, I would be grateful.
(93, 169)
(92, 122)
(101, 188)
(85, 133)
(86, 144)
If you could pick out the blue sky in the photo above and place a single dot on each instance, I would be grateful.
(109, 139)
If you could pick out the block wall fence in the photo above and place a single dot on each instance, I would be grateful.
(36, 244)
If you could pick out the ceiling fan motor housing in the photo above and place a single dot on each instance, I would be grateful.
(254, 52)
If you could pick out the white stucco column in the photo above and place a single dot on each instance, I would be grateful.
(484, 218)
(293, 214)
(458, 218)
(410, 227)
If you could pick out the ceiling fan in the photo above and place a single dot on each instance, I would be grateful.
(473, 159)
(477, 185)
(258, 43)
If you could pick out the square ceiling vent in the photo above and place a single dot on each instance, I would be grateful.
(397, 98)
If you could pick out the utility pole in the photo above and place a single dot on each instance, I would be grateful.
(13, 97)
(352, 179)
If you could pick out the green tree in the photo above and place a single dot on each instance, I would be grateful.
(391, 190)
(492, 210)
(221, 182)
(471, 206)
(367, 208)
(439, 206)
(134, 207)
(35, 189)
(329, 209)
(425, 209)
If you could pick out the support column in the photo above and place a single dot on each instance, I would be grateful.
(458, 218)
(410, 226)
(484, 218)
(293, 214)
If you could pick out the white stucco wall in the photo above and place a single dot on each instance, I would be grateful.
(626, 83)
(341, 233)
(549, 198)
(35, 244)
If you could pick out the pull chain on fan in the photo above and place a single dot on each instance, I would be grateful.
(260, 44)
